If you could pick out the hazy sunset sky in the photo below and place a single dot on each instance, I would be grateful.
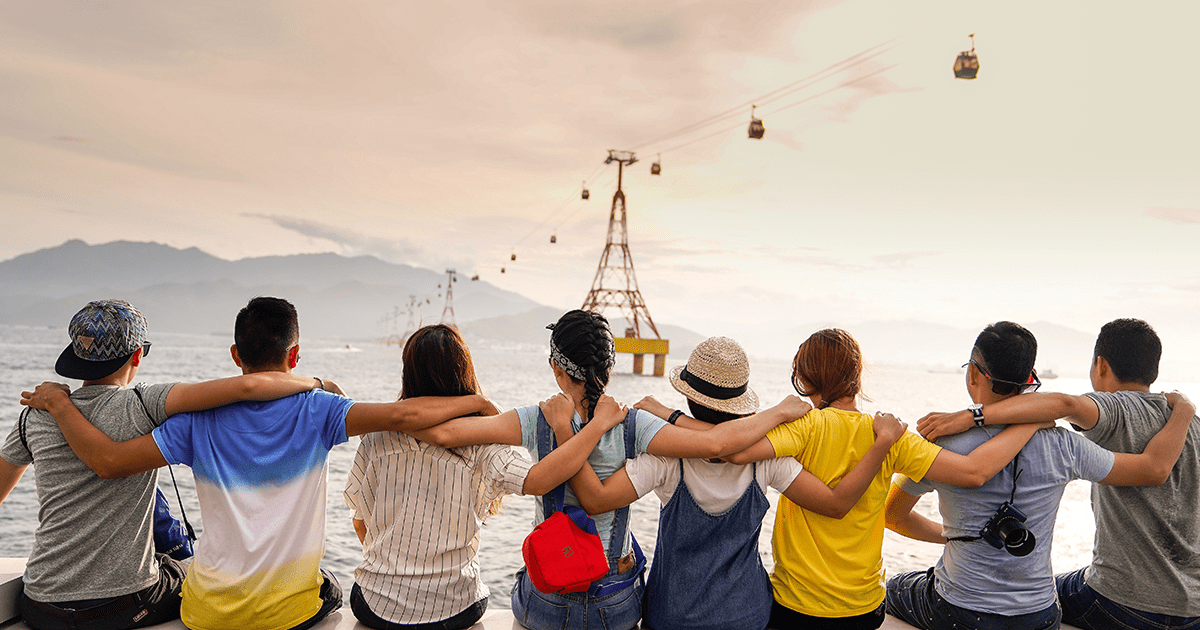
(1062, 185)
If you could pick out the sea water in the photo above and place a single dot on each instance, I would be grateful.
(512, 375)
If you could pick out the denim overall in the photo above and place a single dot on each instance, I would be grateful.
(613, 602)
(707, 573)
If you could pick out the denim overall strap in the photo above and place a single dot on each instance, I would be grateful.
(551, 501)
(736, 594)
(616, 541)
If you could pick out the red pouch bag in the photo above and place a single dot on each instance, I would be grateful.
(563, 553)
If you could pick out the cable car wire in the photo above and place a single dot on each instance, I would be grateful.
(739, 110)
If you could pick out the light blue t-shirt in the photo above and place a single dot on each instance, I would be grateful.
(977, 576)
(606, 459)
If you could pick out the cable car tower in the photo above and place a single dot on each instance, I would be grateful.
(448, 310)
(616, 285)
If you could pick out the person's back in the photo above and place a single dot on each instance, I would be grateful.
(827, 567)
(972, 573)
(77, 556)
(422, 509)
(1147, 553)
(260, 471)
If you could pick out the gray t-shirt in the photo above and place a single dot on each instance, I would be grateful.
(1147, 551)
(95, 537)
(606, 459)
(977, 576)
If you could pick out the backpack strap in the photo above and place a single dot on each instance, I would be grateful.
(186, 524)
(21, 430)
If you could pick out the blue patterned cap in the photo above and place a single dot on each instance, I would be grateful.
(103, 336)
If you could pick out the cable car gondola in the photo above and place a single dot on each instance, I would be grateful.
(502, 270)
(553, 239)
(966, 66)
(585, 193)
(656, 167)
(514, 257)
(756, 129)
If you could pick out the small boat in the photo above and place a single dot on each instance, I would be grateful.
(1047, 374)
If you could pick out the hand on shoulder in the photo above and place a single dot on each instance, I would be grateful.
(45, 395)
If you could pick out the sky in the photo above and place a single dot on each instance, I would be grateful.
(1060, 186)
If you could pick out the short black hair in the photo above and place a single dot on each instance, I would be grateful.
(710, 415)
(264, 331)
(1008, 351)
(1132, 350)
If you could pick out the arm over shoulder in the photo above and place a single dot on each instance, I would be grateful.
(912, 455)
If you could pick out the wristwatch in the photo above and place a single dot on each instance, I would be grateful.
(977, 411)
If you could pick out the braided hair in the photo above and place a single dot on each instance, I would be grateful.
(584, 339)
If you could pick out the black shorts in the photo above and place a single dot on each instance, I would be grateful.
(158, 603)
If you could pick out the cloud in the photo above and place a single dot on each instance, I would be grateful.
(1179, 216)
(351, 243)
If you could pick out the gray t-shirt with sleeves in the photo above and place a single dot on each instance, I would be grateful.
(1147, 552)
(977, 576)
(606, 459)
(95, 537)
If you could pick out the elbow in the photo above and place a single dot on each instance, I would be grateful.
(835, 511)
(108, 470)
(736, 458)
(1158, 476)
(975, 479)
(443, 436)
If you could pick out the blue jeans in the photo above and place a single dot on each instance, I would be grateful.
(1090, 610)
(551, 611)
(912, 598)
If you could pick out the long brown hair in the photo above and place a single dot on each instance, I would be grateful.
(830, 362)
(437, 362)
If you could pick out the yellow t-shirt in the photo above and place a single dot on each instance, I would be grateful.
(826, 567)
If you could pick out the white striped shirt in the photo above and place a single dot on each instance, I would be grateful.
(423, 507)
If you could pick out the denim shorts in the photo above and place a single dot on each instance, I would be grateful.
(551, 611)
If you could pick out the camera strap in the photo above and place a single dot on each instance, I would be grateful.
(1012, 499)
(191, 533)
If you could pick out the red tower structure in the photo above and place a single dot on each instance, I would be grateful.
(615, 284)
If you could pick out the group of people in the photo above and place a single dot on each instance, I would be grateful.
(433, 466)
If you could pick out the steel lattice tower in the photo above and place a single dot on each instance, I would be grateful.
(615, 283)
(448, 310)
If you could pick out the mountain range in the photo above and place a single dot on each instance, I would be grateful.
(364, 298)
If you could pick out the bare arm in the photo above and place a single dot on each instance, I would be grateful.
(812, 494)
(728, 437)
(899, 517)
(413, 414)
(360, 528)
(10, 474)
(108, 459)
(1153, 466)
(185, 397)
(757, 452)
(651, 405)
(1080, 411)
(975, 469)
(595, 497)
(572, 452)
(504, 428)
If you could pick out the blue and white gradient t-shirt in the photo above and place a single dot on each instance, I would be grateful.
(260, 472)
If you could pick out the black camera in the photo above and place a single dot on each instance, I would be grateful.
(1006, 530)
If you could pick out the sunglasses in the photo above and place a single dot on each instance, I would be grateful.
(1027, 387)
(145, 349)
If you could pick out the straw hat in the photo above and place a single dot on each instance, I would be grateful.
(717, 375)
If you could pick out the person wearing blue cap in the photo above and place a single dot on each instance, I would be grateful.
(93, 564)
